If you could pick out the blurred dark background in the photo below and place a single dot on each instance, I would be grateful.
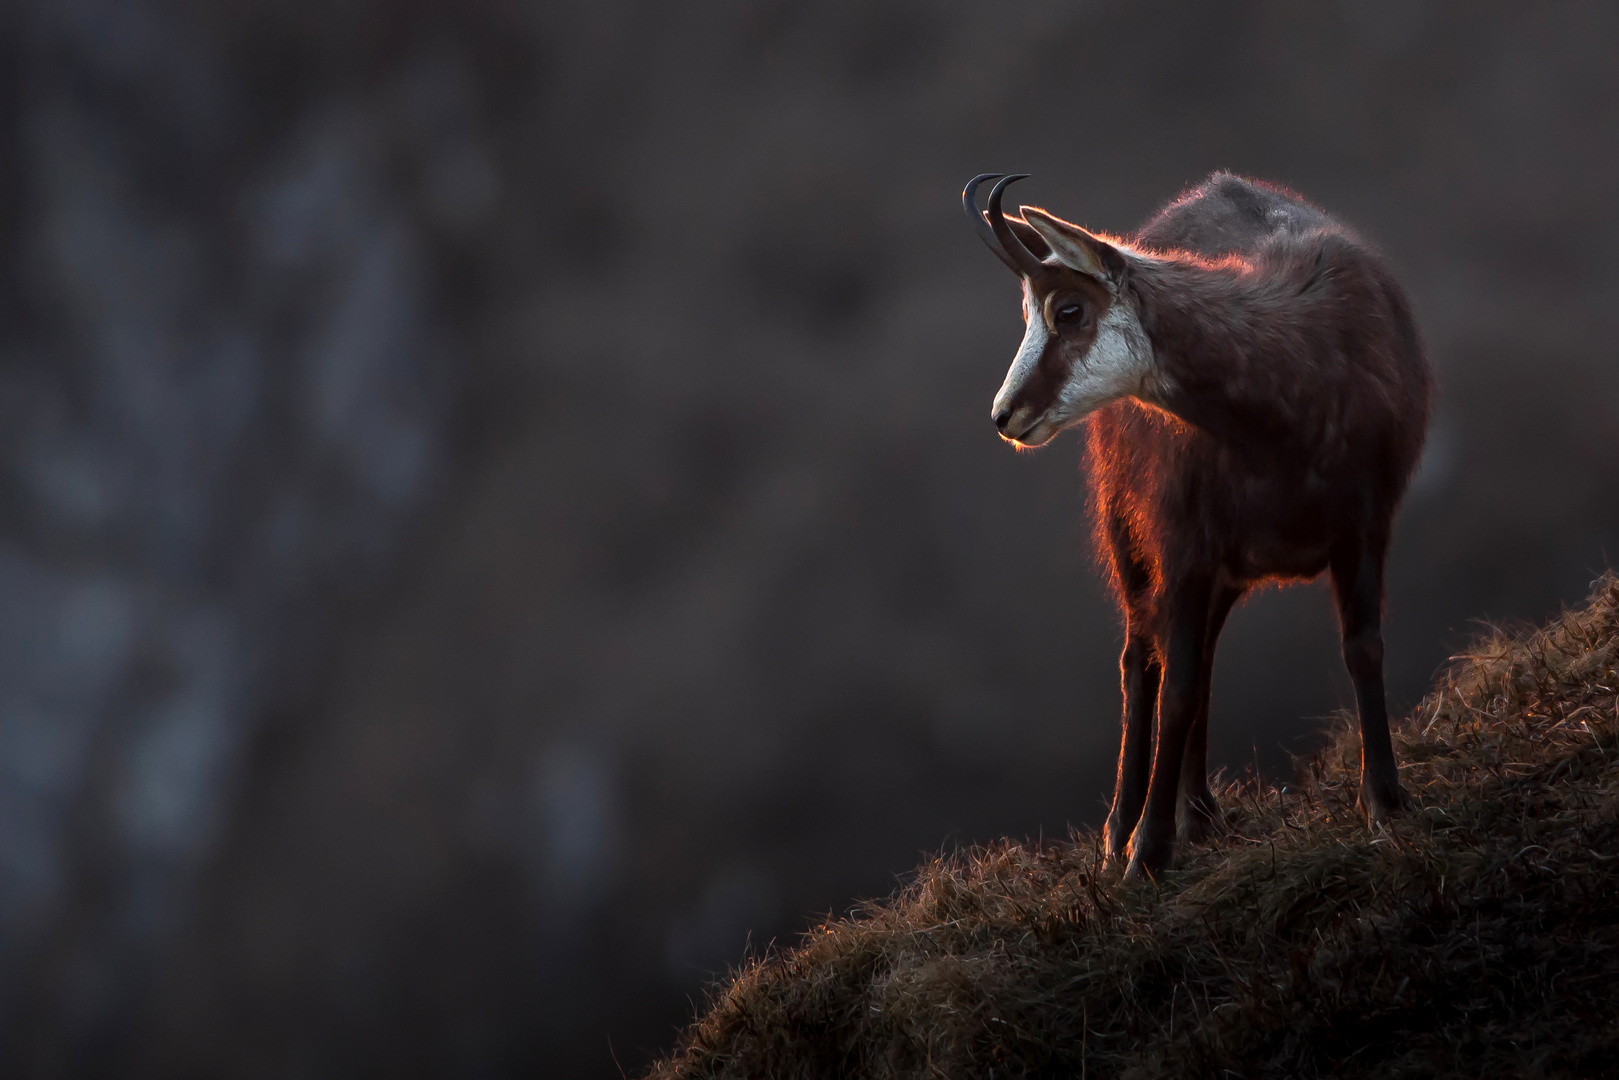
(500, 514)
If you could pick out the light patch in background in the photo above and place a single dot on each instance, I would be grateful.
(177, 761)
(574, 797)
(363, 362)
(70, 481)
(1438, 464)
(65, 646)
(360, 369)
(312, 206)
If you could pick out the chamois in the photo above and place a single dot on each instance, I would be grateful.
(1258, 396)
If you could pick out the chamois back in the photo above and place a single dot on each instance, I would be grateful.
(1227, 214)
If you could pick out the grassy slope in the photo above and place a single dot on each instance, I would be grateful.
(1479, 935)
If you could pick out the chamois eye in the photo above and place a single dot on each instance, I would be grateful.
(1070, 313)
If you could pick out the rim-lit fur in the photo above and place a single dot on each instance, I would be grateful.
(1257, 396)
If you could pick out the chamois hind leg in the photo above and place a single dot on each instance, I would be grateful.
(1198, 812)
(1139, 674)
(1357, 582)
(1183, 634)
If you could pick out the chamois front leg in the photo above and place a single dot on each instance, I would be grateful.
(1357, 582)
(1181, 695)
(1140, 674)
(1198, 812)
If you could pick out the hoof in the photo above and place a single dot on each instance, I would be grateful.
(1140, 869)
(1116, 841)
(1383, 805)
(1151, 850)
(1198, 819)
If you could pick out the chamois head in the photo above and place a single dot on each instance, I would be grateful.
(1083, 346)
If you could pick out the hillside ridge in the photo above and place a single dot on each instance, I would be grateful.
(1476, 935)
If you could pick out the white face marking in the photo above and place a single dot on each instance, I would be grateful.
(1118, 365)
(1035, 336)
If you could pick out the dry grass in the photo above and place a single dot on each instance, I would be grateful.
(1477, 936)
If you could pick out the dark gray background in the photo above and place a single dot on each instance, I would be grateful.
(499, 503)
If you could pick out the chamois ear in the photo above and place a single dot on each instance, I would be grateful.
(1026, 236)
(1029, 238)
(1075, 248)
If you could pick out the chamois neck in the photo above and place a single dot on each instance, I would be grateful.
(1236, 346)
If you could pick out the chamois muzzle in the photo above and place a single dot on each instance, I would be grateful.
(992, 228)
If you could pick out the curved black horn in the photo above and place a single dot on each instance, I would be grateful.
(1023, 260)
(969, 203)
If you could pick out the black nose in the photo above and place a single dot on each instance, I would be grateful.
(1001, 418)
